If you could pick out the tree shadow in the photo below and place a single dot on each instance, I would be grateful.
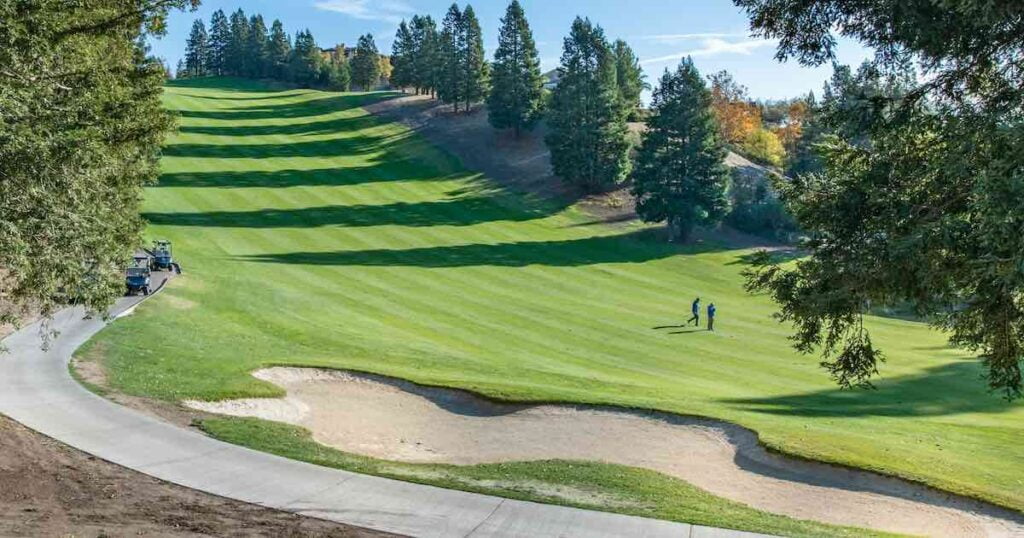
(690, 331)
(458, 212)
(952, 388)
(335, 147)
(634, 247)
(328, 104)
(331, 126)
(314, 177)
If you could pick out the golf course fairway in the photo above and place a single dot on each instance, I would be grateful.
(314, 234)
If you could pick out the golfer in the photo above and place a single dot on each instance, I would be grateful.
(711, 317)
(695, 309)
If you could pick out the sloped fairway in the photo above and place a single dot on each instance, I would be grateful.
(314, 234)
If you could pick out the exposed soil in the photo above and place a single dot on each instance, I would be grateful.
(49, 489)
(398, 420)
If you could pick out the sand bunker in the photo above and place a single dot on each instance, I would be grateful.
(397, 420)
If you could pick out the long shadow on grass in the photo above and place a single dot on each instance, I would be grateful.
(336, 147)
(458, 212)
(328, 104)
(634, 247)
(949, 389)
(335, 125)
(316, 177)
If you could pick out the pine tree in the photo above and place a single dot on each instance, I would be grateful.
(256, 51)
(588, 133)
(681, 177)
(630, 78)
(182, 71)
(516, 95)
(342, 73)
(220, 39)
(449, 83)
(236, 61)
(473, 64)
(279, 50)
(426, 54)
(196, 50)
(366, 64)
(402, 58)
(304, 64)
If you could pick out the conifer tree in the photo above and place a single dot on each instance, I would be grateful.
(182, 71)
(366, 63)
(630, 77)
(256, 51)
(426, 54)
(304, 65)
(588, 137)
(220, 39)
(449, 84)
(196, 50)
(473, 64)
(402, 52)
(236, 61)
(680, 174)
(279, 50)
(516, 94)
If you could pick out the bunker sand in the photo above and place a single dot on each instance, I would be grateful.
(397, 420)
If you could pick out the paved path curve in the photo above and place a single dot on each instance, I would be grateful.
(37, 390)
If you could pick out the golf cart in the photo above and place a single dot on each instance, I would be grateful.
(136, 279)
(161, 257)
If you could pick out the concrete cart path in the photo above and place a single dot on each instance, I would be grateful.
(37, 390)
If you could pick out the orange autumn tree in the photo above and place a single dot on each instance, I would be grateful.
(737, 116)
(790, 133)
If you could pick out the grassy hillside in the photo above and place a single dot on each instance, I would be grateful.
(314, 234)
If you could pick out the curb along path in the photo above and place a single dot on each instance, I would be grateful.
(37, 390)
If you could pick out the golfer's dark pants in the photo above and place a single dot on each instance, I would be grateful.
(711, 324)
(695, 320)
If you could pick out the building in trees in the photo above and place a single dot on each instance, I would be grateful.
(680, 175)
(588, 132)
(516, 97)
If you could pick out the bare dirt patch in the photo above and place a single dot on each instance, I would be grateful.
(397, 420)
(50, 489)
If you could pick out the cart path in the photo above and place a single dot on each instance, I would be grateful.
(397, 420)
(37, 390)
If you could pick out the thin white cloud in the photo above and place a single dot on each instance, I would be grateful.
(392, 11)
(714, 47)
(676, 38)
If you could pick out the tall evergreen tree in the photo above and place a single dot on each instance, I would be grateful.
(680, 173)
(197, 50)
(402, 58)
(630, 78)
(182, 71)
(279, 49)
(426, 54)
(588, 137)
(473, 63)
(517, 86)
(220, 40)
(304, 64)
(449, 84)
(256, 52)
(366, 63)
(236, 62)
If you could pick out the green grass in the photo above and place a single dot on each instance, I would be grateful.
(314, 234)
(581, 484)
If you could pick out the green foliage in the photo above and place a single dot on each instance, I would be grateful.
(473, 65)
(366, 64)
(197, 51)
(237, 58)
(220, 39)
(80, 130)
(305, 60)
(920, 196)
(755, 207)
(680, 174)
(403, 59)
(257, 50)
(630, 77)
(516, 98)
(450, 50)
(763, 146)
(279, 50)
(426, 54)
(588, 135)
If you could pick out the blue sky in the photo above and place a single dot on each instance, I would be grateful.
(714, 32)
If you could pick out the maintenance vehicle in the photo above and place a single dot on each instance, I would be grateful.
(161, 258)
